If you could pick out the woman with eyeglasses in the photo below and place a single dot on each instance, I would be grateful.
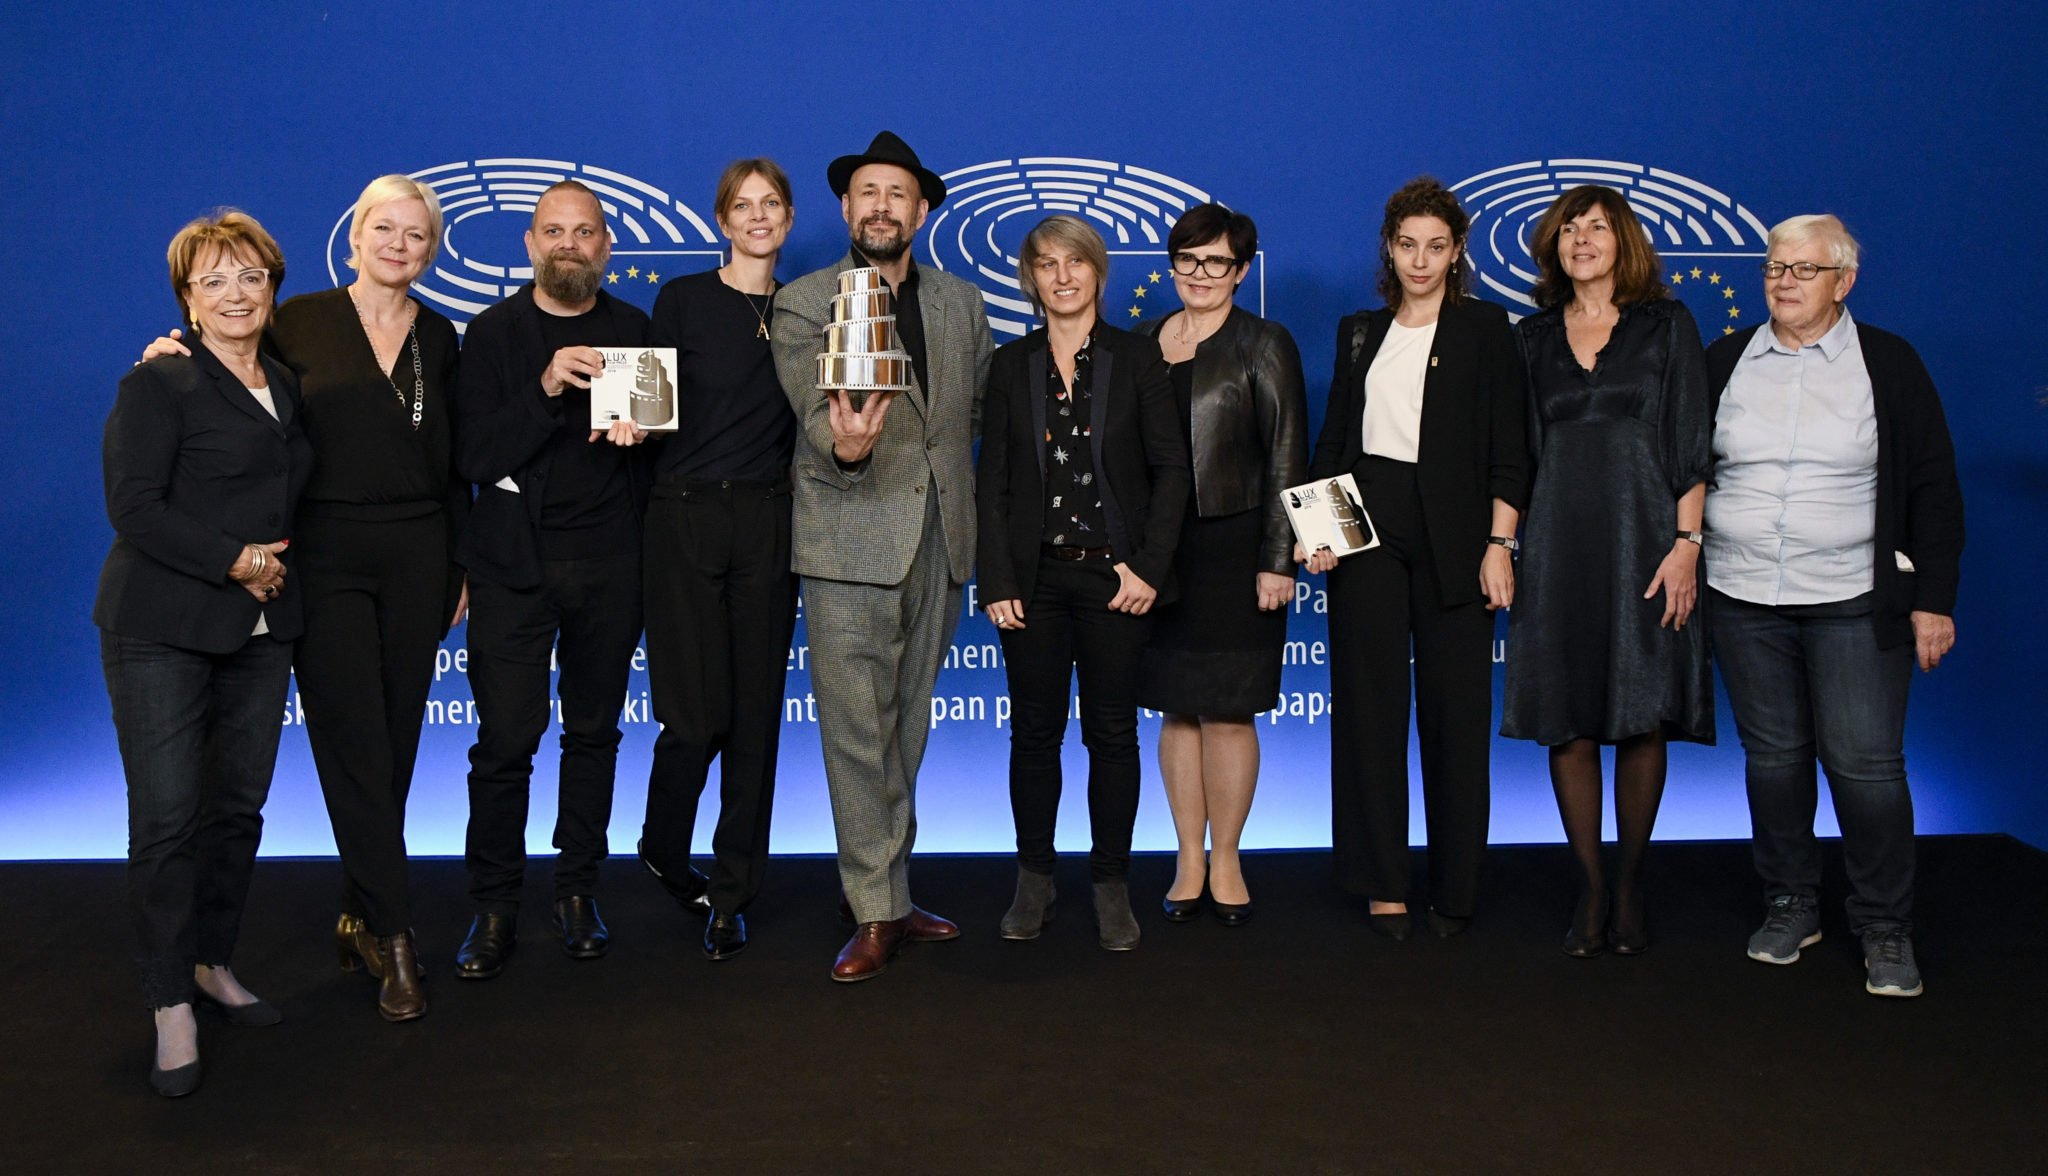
(1426, 413)
(1214, 659)
(376, 533)
(205, 458)
(1079, 491)
(1604, 647)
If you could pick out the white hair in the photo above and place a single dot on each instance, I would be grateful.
(384, 189)
(1842, 248)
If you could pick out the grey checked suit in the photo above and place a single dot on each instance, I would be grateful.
(884, 552)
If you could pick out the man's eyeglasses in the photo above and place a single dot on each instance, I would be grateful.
(1805, 271)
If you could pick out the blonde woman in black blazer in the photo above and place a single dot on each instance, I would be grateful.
(1426, 411)
(1080, 489)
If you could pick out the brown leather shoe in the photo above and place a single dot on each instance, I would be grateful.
(867, 954)
(922, 926)
(400, 998)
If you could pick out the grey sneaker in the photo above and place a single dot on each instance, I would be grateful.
(1792, 922)
(1888, 964)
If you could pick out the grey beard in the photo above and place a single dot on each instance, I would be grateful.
(886, 250)
(567, 282)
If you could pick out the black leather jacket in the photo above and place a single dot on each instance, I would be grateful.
(1248, 427)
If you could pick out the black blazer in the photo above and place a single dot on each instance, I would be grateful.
(504, 425)
(195, 470)
(1919, 499)
(1473, 446)
(1137, 444)
(1247, 420)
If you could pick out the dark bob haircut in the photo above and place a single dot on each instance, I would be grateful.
(1207, 222)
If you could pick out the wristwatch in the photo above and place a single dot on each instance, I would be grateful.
(1697, 537)
(1507, 541)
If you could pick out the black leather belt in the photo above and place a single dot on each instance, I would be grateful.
(1076, 554)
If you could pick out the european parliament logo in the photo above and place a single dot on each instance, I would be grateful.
(1711, 245)
(990, 206)
(487, 206)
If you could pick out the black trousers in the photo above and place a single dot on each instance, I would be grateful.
(1386, 605)
(1069, 630)
(198, 735)
(586, 617)
(375, 595)
(721, 606)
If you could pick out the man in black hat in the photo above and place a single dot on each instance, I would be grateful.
(883, 534)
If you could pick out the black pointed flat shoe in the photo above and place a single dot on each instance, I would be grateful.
(1394, 926)
(256, 1014)
(175, 1083)
(1181, 910)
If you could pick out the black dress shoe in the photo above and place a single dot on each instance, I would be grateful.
(725, 935)
(1394, 926)
(583, 933)
(255, 1014)
(175, 1083)
(488, 945)
(690, 888)
(1628, 942)
(1181, 910)
(1583, 947)
(1231, 914)
(1444, 926)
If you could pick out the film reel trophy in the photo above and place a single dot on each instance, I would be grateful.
(861, 353)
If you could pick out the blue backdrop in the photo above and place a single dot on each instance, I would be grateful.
(126, 120)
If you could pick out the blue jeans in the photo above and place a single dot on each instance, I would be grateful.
(1807, 681)
(198, 735)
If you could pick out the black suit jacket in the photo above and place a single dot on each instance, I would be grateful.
(1919, 499)
(195, 470)
(504, 424)
(1136, 441)
(1473, 447)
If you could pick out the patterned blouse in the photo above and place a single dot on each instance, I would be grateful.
(1073, 502)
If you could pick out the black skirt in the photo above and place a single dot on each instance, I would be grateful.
(1213, 652)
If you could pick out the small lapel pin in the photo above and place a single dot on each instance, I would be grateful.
(1432, 361)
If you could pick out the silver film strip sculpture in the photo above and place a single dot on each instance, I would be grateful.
(861, 353)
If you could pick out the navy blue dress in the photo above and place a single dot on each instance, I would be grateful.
(1614, 448)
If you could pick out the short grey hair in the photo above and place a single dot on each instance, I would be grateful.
(394, 187)
(1077, 237)
(1842, 248)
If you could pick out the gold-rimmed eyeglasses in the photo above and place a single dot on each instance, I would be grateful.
(214, 285)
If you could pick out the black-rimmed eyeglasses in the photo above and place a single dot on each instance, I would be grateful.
(1185, 264)
(1805, 271)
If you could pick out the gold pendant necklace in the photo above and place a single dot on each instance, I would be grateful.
(760, 312)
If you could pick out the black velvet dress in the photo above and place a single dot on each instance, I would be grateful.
(1615, 448)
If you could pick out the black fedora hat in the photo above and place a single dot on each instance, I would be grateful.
(887, 148)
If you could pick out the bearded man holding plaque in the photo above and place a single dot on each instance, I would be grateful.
(884, 518)
(553, 553)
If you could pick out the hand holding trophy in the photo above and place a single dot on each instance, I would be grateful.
(862, 367)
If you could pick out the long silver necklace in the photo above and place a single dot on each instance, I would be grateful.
(419, 381)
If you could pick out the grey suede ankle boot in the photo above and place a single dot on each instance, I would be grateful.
(1116, 927)
(1032, 909)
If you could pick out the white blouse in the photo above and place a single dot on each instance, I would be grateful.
(1393, 392)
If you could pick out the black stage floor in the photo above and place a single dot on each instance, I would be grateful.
(1300, 1043)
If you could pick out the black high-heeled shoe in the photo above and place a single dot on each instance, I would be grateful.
(1625, 940)
(1181, 910)
(174, 1083)
(254, 1015)
(1394, 926)
(1231, 914)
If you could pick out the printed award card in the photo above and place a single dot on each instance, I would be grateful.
(1329, 513)
(638, 384)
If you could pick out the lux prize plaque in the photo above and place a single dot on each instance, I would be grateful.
(861, 354)
(1329, 513)
(637, 384)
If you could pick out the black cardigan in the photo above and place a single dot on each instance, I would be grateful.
(1473, 446)
(195, 470)
(1919, 500)
(1140, 454)
(504, 423)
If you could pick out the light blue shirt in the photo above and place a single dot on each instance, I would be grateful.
(1792, 506)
